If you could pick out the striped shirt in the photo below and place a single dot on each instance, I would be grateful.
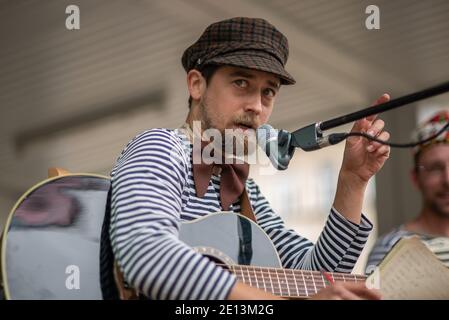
(153, 191)
(438, 245)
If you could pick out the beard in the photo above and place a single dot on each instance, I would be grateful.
(234, 142)
(436, 199)
(206, 119)
(439, 208)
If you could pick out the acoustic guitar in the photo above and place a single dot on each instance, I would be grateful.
(51, 245)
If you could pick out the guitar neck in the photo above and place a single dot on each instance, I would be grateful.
(288, 282)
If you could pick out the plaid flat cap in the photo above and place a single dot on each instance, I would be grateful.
(242, 42)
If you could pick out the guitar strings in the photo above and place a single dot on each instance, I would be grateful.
(286, 281)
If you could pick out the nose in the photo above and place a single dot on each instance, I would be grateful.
(254, 104)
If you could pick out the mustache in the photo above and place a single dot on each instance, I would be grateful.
(247, 121)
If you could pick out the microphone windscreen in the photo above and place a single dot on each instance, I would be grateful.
(276, 144)
(266, 134)
(268, 140)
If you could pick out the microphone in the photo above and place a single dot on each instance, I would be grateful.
(276, 144)
(280, 145)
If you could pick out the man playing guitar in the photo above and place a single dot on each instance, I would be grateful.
(234, 73)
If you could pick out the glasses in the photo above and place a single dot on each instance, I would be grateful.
(434, 170)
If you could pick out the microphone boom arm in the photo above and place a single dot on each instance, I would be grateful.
(392, 104)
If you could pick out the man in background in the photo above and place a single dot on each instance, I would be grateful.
(431, 176)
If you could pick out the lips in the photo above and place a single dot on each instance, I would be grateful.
(245, 126)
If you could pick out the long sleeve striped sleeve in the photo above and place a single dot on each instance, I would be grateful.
(147, 185)
(337, 249)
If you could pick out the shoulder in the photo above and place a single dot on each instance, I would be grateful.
(383, 245)
(155, 138)
(162, 135)
(158, 144)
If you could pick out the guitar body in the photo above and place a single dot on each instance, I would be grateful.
(230, 239)
(51, 240)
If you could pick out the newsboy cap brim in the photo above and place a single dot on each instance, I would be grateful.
(256, 60)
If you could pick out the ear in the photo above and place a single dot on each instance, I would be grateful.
(196, 84)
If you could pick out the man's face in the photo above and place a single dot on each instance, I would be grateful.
(238, 98)
(432, 178)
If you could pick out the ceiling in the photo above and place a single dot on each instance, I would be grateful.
(74, 98)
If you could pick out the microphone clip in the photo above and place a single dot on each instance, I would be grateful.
(285, 149)
(309, 138)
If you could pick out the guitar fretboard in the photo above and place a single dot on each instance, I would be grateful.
(288, 282)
